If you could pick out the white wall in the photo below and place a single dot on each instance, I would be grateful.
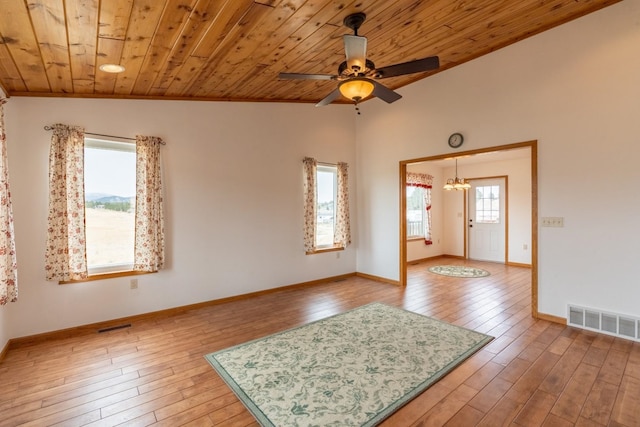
(576, 89)
(233, 175)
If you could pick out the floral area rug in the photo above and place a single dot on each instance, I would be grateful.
(458, 271)
(352, 369)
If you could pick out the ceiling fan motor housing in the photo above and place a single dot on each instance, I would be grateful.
(354, 21)
(356, 74)
(345, 71)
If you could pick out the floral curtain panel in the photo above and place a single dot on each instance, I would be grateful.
(342, 235)
(424, 181)
(65, 257)
(8, 264)
(149, 240)
(310, 167)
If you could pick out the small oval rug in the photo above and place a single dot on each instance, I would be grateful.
(458, 271)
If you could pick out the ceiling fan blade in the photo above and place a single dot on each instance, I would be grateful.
(299, 76)
(417, 66)
(384, 93)
(355, 49)
(329, 98)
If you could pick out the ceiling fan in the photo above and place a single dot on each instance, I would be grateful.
(357, 75)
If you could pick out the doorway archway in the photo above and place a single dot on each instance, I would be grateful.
(532, 145)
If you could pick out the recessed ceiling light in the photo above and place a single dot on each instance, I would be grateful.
(112, 68)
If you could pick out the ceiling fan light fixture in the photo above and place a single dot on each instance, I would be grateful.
(355, 74)
(356, 89)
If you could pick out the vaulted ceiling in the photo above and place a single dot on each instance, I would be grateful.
(235, 49)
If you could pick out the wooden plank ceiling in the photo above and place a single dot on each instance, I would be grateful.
(234, 49)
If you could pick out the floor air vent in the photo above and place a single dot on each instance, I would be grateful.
(619, 325)
(113, 328)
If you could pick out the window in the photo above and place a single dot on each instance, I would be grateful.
(418, 206)
(415, 212)
(118, 172)
(326, 181)
(326, 206)
(488, 204)
(110, 188)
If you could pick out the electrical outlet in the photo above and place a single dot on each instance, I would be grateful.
(553, 221)
(337, 255)
(525, 246)
(133, 283)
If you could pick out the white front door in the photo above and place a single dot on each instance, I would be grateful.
(486, 220)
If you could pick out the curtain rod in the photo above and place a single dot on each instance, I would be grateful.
(108, 136)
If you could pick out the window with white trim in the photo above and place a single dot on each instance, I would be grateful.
(326, 184)
(110, 188)
(416, 212)
(488, 204)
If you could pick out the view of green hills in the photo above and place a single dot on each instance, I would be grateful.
(109, 201)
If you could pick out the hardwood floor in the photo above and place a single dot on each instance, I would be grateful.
(533, 373)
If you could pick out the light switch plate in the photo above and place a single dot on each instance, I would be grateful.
(553, 221)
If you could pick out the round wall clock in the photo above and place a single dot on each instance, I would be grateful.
(455, 140)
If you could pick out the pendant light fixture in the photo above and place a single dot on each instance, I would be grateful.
(457, 183)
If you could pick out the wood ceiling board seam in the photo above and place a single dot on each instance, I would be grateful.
(86, 87)
(334, 45)
(233, 60)
(386, 25)
(215, 35)
(506, 41)
(204, 15)
(82, 33)
(269, 76)
(109, 52)
(227, 20)
(19, 38)
(240, 70)
(418, 34)
(145, 17)
(172, 22)
(113, 23)
(239, 31)
(114, 19)
(13, 81)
